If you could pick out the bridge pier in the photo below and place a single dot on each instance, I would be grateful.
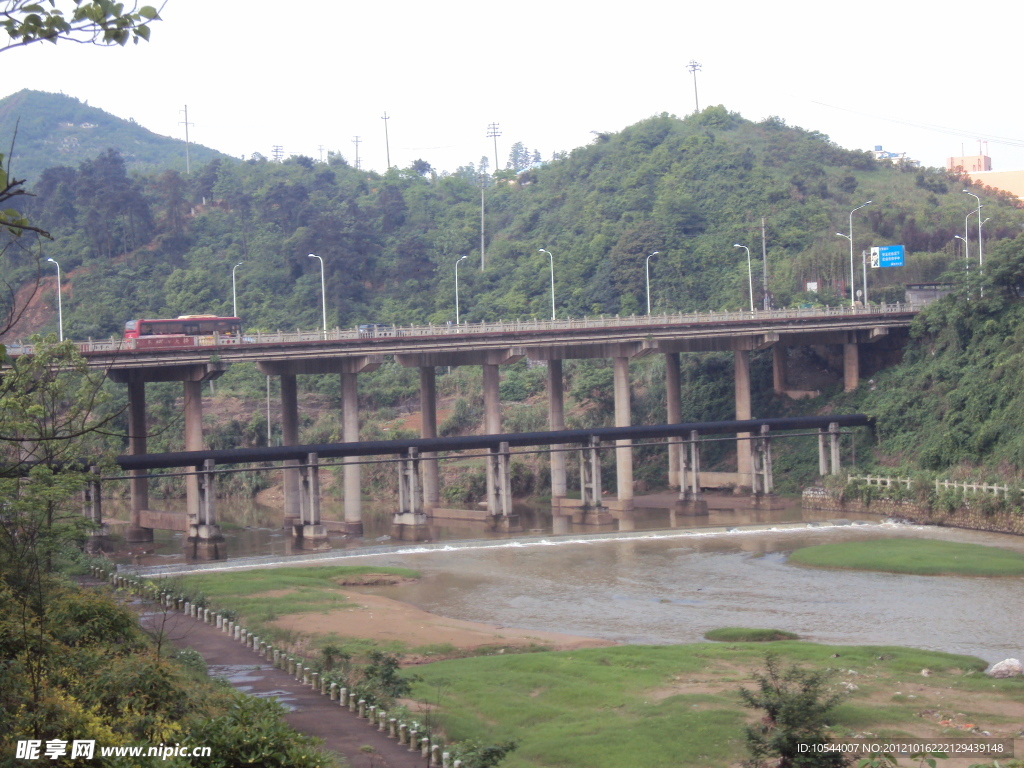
(674, 415)
(744, 457)
(139, 485)
(556, 422)
(203, 540)
(290, 436)
(691, 498)
(310, 534)
(623, 448)
(192, 376)
(348, 368)
(779, 369)
(851, 366)
(428, 428)
(410, 521)
(828, 450)
(499, 490)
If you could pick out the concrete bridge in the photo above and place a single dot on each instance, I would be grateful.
(849, 331)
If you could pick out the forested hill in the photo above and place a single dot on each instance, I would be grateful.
(54, 128)
(138, 245)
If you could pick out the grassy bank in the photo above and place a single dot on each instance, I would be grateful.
(924, 557)
(262, 596)
(652, 706)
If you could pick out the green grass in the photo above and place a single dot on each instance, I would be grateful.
(748, 635)
(925, 557)
(310, 589)
(654, 706)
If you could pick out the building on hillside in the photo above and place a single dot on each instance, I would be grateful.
(979, 163)
(978, 168)
(895, 157)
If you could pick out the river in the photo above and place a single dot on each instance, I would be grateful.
(671, 586)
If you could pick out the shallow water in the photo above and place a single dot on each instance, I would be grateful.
(645, 582)
(673, 590)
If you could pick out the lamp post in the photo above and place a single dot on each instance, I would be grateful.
(981, 256)
(552, 258)
(964, 241)
(647, 269)
(323, 290)
(750, 274)
(462, 259)
(60, 309)
(234, 294)
(853, 278)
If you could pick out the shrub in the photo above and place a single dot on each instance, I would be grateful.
(795, 704)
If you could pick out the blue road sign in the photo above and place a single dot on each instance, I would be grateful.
(887, 256)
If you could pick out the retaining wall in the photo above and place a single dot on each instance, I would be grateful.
(976, 520)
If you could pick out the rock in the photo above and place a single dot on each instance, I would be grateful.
(1006, 668)
(926, 673)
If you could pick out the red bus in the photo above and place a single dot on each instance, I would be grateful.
(184, 331)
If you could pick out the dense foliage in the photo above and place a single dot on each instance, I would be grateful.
(690, 189)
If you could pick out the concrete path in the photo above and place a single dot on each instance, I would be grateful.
(311, 713)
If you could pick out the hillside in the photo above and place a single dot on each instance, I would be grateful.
(54, 129)
(689, 189)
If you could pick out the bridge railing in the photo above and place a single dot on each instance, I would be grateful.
(114, 345)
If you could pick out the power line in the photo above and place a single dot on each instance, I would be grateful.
(929, 126)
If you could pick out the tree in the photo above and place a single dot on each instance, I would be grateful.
(99, 22)
(796, 704)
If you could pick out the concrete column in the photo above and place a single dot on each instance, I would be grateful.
(492, 400)
(350, 434)
(556, 422)
(851, 367)
(137, 447)
(428, 428)
(193, 442)
(674, 414)
(624, 448)
(290, 436)
(779, 368)
(744, 462)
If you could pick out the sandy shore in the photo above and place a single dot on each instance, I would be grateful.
(383, 619)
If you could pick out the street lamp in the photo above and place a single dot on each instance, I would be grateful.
(541, 250)
(647, 269)
(750, 274)
(457, 288)
(234, 295)
(964, 241)
(853, 301)
(323, 289)
(981, 257)
(60, 310)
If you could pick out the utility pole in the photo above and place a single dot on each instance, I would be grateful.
(764, 264)
(356, 141)
(188, 163)
(694, 68)
(494, 133)
(321, 148)
(278, 153)
(387, 142)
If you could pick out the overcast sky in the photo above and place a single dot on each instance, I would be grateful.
(916, 77)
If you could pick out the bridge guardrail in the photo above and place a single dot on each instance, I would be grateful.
(514, 326)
